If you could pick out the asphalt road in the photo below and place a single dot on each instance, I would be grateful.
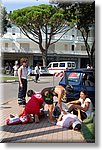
(9, 91)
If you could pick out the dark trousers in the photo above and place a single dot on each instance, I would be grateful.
(22, 91)
(83, 114)
(36, 77)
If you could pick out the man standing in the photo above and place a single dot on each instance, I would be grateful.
(22, 75)
(37, 72)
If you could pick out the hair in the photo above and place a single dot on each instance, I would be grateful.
(30, 93)
(23, 60)
(85, 92)
(77, 127)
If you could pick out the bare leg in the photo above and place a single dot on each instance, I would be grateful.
(79, 114)
(21, 112)
(50, 108)
(36, 118)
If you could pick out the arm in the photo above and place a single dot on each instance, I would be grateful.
(19, 75)
(81, 108)
(73, 102)
(60, 117)
(59, 100)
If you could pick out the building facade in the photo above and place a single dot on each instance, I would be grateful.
(15, 45)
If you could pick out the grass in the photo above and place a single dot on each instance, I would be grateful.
(88, 130)
(10, 78)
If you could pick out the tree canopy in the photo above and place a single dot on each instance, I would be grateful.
(38, 22)
(83, 13)
(3, 20)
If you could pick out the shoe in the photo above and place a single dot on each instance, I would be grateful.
(12, 116)
(52, 122)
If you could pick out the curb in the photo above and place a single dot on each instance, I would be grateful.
(10, 81)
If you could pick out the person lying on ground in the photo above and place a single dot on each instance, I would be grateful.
(84, 104)
(69, 120)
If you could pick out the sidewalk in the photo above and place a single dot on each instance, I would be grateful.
(42, 132)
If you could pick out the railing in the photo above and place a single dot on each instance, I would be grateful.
(22, 50)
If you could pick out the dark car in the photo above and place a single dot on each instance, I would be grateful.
(79, 79)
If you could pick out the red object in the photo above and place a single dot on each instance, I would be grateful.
(34, 104)
(59, 74)
(73, 75)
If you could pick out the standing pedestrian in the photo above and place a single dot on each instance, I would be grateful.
(88, 66)
(15, 68)
(22, 74)
(37, 72)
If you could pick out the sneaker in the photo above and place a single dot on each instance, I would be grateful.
(12, 116)
(52, 122)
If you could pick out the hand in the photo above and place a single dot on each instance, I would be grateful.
(21, 85)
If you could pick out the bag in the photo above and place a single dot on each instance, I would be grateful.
(13, 121)
(16, 120)
(57, 111)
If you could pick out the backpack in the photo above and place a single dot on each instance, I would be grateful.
(57, 111)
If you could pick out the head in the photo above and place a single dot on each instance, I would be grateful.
(47, 96)
(24, 61)
(83, 94)
(30, 93)
(76, 125)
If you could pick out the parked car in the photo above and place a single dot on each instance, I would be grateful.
(43, 71)
(79, 79)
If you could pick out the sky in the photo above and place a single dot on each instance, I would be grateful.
(18, 4)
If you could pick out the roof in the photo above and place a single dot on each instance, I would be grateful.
(82, 70)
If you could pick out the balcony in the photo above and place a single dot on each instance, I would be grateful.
(18, 50)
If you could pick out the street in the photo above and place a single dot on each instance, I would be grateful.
(34, 132)
(9, 91)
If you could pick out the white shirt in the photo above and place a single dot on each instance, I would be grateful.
(89, 111)
(37, 70)
(66, 120)
(24, 72)
(15, 67)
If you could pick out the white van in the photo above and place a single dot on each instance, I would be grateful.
(56, 67)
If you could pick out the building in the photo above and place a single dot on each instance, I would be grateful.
(14, 45)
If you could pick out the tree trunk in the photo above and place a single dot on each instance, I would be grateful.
(44, 58)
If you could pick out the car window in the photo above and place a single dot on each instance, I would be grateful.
(74, 77)
(88, 79)
(55, 65)
(49, 66)
(62, 65)
(69, 64)
(73, 64)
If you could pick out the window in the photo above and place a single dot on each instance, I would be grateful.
(6, 45)
(73, 64)
(55, 65)
(13, 46)
(72, 47)
(83, 48)
(74, 77)
(66, 47)
(69, 64)
(62, 65)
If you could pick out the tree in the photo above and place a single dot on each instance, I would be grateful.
(3, 20)
(85, 22)
(83, 14)
(41, 21)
